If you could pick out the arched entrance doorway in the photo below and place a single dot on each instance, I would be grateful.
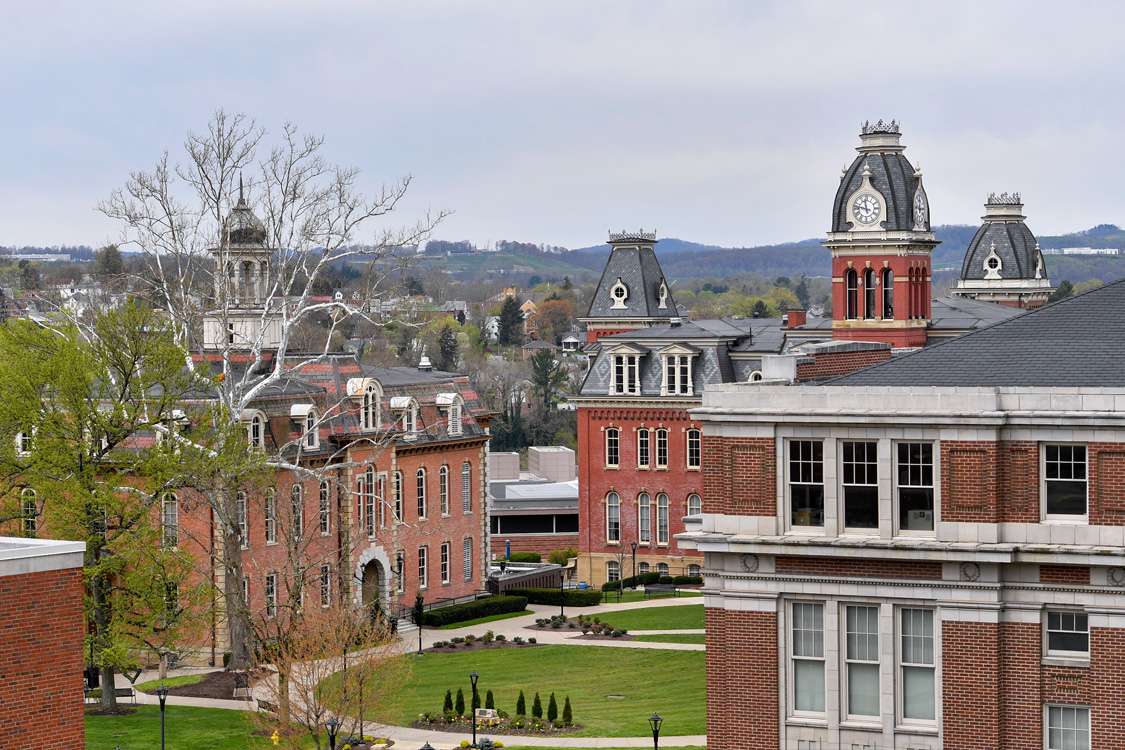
(373, 580)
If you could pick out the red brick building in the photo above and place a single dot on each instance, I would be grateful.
(41, 630)
(927, 553)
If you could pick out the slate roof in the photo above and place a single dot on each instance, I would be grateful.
(947, 314)
(893, 176)
(637, 267)
(1076, 342)
(1014, 244)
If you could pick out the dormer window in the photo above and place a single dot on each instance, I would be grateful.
(407, 409)
(308, 420)
(312, 435)
(453, 406)
(255, 422)
(619, 293)
(368, 394)
(626, 374)
(677, 375)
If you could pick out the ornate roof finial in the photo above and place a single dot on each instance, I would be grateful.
(879, 127)
(1004, 199)
(918, 170)
(844, 172)
(241, 199)
(866, 169)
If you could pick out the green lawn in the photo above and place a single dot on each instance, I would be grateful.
(688, 617)
(186, 728)
(648, 680)
(639, 596)
(699, 638)
(187, 679)
(482, 620)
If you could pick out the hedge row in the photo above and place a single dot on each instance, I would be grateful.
(525, 557)
(493, 605)
(573, 598)
(647, 578)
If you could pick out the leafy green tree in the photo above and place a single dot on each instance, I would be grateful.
(802, 292)
(760, 310)
(459, 704)
(537, 707)
(109, 262)
(1064, 290)
(521, 705)
(567, 284)
(448, 349)
(552, 709)
(510, 323)
(489, 701)
(29, 276)
(567, 716)
(548, 376)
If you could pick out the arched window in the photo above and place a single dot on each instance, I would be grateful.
(297, 496)
(642, 449)
(661, 518)
(381, 499)
(271, 517)
(888, 294)
(612, 448)
(369, 411)
(694, 449)
(694, 505)
(755, 376)
(420, 482)
(312, 434)
(869, 294)
(325, 507)
(644, 518)
(30, 511)
(694, 570)
(170, 519)
(613, 517)
(642, 568)
(443, 489)
(612, 571)
(455, 417)
(369, 500)
(851, 283)
(662, 568)
(398, 497)
(256, 431)
(466, 487)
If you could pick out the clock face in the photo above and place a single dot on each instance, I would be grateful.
(919, 210)
(865, 208)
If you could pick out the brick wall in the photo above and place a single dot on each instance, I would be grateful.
(742, 701)
(1073, 574)
(969, 473)
(739, 476)
(831, 364)
(1021, 711)
(1019, 481)
(857, 568)
(41, 660)
(1107, 690)
(970, 682)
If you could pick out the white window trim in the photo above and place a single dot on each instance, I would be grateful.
(324, 488)
(842, 495)
(935, 450)
(676, 362)
(1075, 706)
(443, 489)
(667, 518)
(422, 498)
(269, 517)
(325, 586)
(446, 559)
(423, 568)
(859, 720)
(615, 434)
(456, 417)
(1058, 517)
(900, 721)
(644, 502)
(815, 718)
(647, 452)
(687, 449)
(786, 451)
(630, 384)
(608, 541)
(311, 437)
(656, 463)
(1061, 658)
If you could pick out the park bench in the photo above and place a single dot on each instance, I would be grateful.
(653, 589)
(121, 692)
(486, 717)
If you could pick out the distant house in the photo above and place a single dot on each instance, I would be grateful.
(532, 347)
(491, 329)
(572, 342)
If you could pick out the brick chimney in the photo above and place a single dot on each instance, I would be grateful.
(797, 318)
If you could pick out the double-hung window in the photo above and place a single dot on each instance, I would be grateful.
(1068, 634)
(170, 506)
(466, 488)
(914, 466)
(271, 517)
(861, 660)
(240, 518)
(30, 511)
(916, 663)
(694, 505)
(1064, 480)
(423, 571)
(677, 375)
(325, 585)
(612, 571)
(694, 449)
(445, 562)
(612, 448)
(1068, 728)
(644, 518)
(662, 449)
(661, 518)
(298, 504)
(860, 484)
(370, 500)
(613, 517)
(398, 497)
(806, 482)
(443, 489)
(642, 449)
(271, 595)
(626, 379)
(325, 507)
(420, 488)
(808, 657)
(381, 498)
(467, 558)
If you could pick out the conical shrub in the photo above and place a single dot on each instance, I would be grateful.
(488, 701)
(537, 707)
(552, 709)
(567, 717)
(460, 705)
(448, 705)
(521, 706)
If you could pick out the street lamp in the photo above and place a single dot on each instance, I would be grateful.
(634, 543)
(473, 677)
(654, 723)
(162, 691)
(332, 726)
(562, 593)
(427, 746)
(419, 615)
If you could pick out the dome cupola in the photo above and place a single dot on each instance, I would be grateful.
(880, 191)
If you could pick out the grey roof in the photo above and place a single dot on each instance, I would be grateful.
(893, 176)
(1078, 341)
(635, 264)
(242, 227)
(1013, 243)
(947, 314)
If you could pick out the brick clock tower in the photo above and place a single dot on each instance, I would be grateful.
(881, 245)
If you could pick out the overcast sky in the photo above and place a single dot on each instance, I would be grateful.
(719, 122)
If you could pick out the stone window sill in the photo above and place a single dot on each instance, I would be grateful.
(1066, 661)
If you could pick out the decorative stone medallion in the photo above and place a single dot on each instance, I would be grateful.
(1117, 576)
(970, 571)
(750, 563)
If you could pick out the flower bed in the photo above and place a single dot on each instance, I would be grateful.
(585, 626)
(473, 643)
(514, 726)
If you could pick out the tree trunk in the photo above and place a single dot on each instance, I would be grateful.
(109, 698)
(163, 666)
(237, 609)
(99, 591)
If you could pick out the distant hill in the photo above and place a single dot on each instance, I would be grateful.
(666, 246)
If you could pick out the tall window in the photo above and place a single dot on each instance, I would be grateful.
(312, 435)
(240, 517)
(170, 521)
(662, 449)
(398, 497)
(626, 378)
(298, 503)
(369, 412)
(271, 517)
(914, 464)
(445, 562)
(467, 558)
(381, 499)
(642, 567)
(917, 664)
(860, 484)
(808, 657)
(613, 517)
(256, 432)
(612, 571)
(612, 447)
(423, 573)
(455, 418)
(23, 442)
(369, 500)
(1068, 728)
(1064, 479)
(325, 585)
(420, 488)
(325, 507)
(271, 595)
(409, 419)
(869, 294)
(443, 489)
(888, 294)
(694, 570)
(694, 449)
(30, 512)
(861, 660)
(661, 518)
(644, 518)
(1068, 634)
(851, 281)
(806, 482)
(694, 505)
(677, 374)
(466, 487)
(662, 568)
(642, 449)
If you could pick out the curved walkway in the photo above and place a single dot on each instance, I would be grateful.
(409, 738)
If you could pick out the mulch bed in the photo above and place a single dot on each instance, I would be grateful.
(478, 645)
(576, 633)
(218, 685)
(119, 711)
(464, 725)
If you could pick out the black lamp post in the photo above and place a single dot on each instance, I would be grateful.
(427, 746)
(562, 593)
(162, 692)
(419, 615)
(473, 677)
(332, 726)
(634, 543)
(654, 723)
